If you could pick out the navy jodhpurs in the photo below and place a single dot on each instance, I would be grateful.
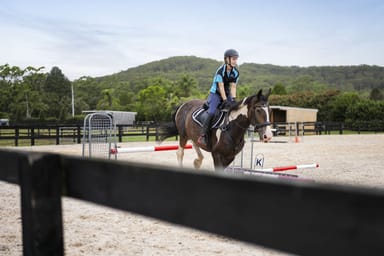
(214, 101)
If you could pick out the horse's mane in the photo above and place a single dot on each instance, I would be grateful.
(259, 97)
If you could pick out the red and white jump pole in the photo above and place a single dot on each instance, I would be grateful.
(148, 149)
(287, 168)
(276, 175)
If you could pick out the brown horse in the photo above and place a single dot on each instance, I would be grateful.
(228, 139)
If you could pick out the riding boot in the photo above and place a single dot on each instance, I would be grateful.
(204, 137)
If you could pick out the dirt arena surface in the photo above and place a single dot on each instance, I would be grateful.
(90, 229)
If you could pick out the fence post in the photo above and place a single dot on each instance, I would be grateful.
(17, 134)
(57, 135)
(32, 136)
(297, 127)
(41, 184)
(120, 133)
(157, 133)
(78, 134)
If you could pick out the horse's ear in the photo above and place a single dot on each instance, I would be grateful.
(268, 93)
(260, 93)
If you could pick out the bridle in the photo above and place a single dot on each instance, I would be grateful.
(257, 126)
(265, 124)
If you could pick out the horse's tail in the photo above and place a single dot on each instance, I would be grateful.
(169, 129)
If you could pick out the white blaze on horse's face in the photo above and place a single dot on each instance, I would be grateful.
(267, 132)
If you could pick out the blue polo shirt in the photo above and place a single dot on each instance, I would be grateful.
(226, 77)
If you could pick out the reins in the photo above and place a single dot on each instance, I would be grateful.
(257, 126)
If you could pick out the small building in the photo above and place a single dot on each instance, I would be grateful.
(4, 122)
(290, 120)
(283, 114)
(118, 117)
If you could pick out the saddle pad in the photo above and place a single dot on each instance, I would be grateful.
(200, 115)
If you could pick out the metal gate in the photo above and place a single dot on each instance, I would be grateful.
(99, 135)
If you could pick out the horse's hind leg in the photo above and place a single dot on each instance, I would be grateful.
(180, 156)
(180, 151)
(199, 160)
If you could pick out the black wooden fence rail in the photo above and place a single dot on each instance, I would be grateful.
(41, 132)
(301, 218)
(74, 133)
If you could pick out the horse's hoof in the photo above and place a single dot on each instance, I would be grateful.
(197, 163)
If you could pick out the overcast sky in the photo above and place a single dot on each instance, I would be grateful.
(96, 38)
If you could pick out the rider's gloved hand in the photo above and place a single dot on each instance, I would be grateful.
(226, 104)
(233, 102)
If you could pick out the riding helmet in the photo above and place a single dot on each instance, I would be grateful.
(231, 53)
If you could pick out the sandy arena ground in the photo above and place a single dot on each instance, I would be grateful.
(94, 230)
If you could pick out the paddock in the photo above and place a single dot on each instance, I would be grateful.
(91, 229)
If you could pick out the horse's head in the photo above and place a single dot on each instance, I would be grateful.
(259, 113)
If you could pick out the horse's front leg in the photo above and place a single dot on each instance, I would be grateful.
(218, 162)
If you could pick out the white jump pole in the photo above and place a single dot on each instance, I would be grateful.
(148, 149)
(287, 168)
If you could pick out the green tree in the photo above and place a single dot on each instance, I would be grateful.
(376, 94)
(13, 92)
(108, 102)
(366, 113)
(307, 83)
(125, 96)
(127, 100)
(244, 90)
(34, 82)
(185, 87)
(153, 103)
(6, 79)
(87, 93)
(58, 94)
(340, 105)
(279, 89)
(21, 92)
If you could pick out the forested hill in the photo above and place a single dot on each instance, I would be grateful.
(173, 69)
(154, 89)
(361, 77)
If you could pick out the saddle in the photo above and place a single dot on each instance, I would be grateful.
(200, 115)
